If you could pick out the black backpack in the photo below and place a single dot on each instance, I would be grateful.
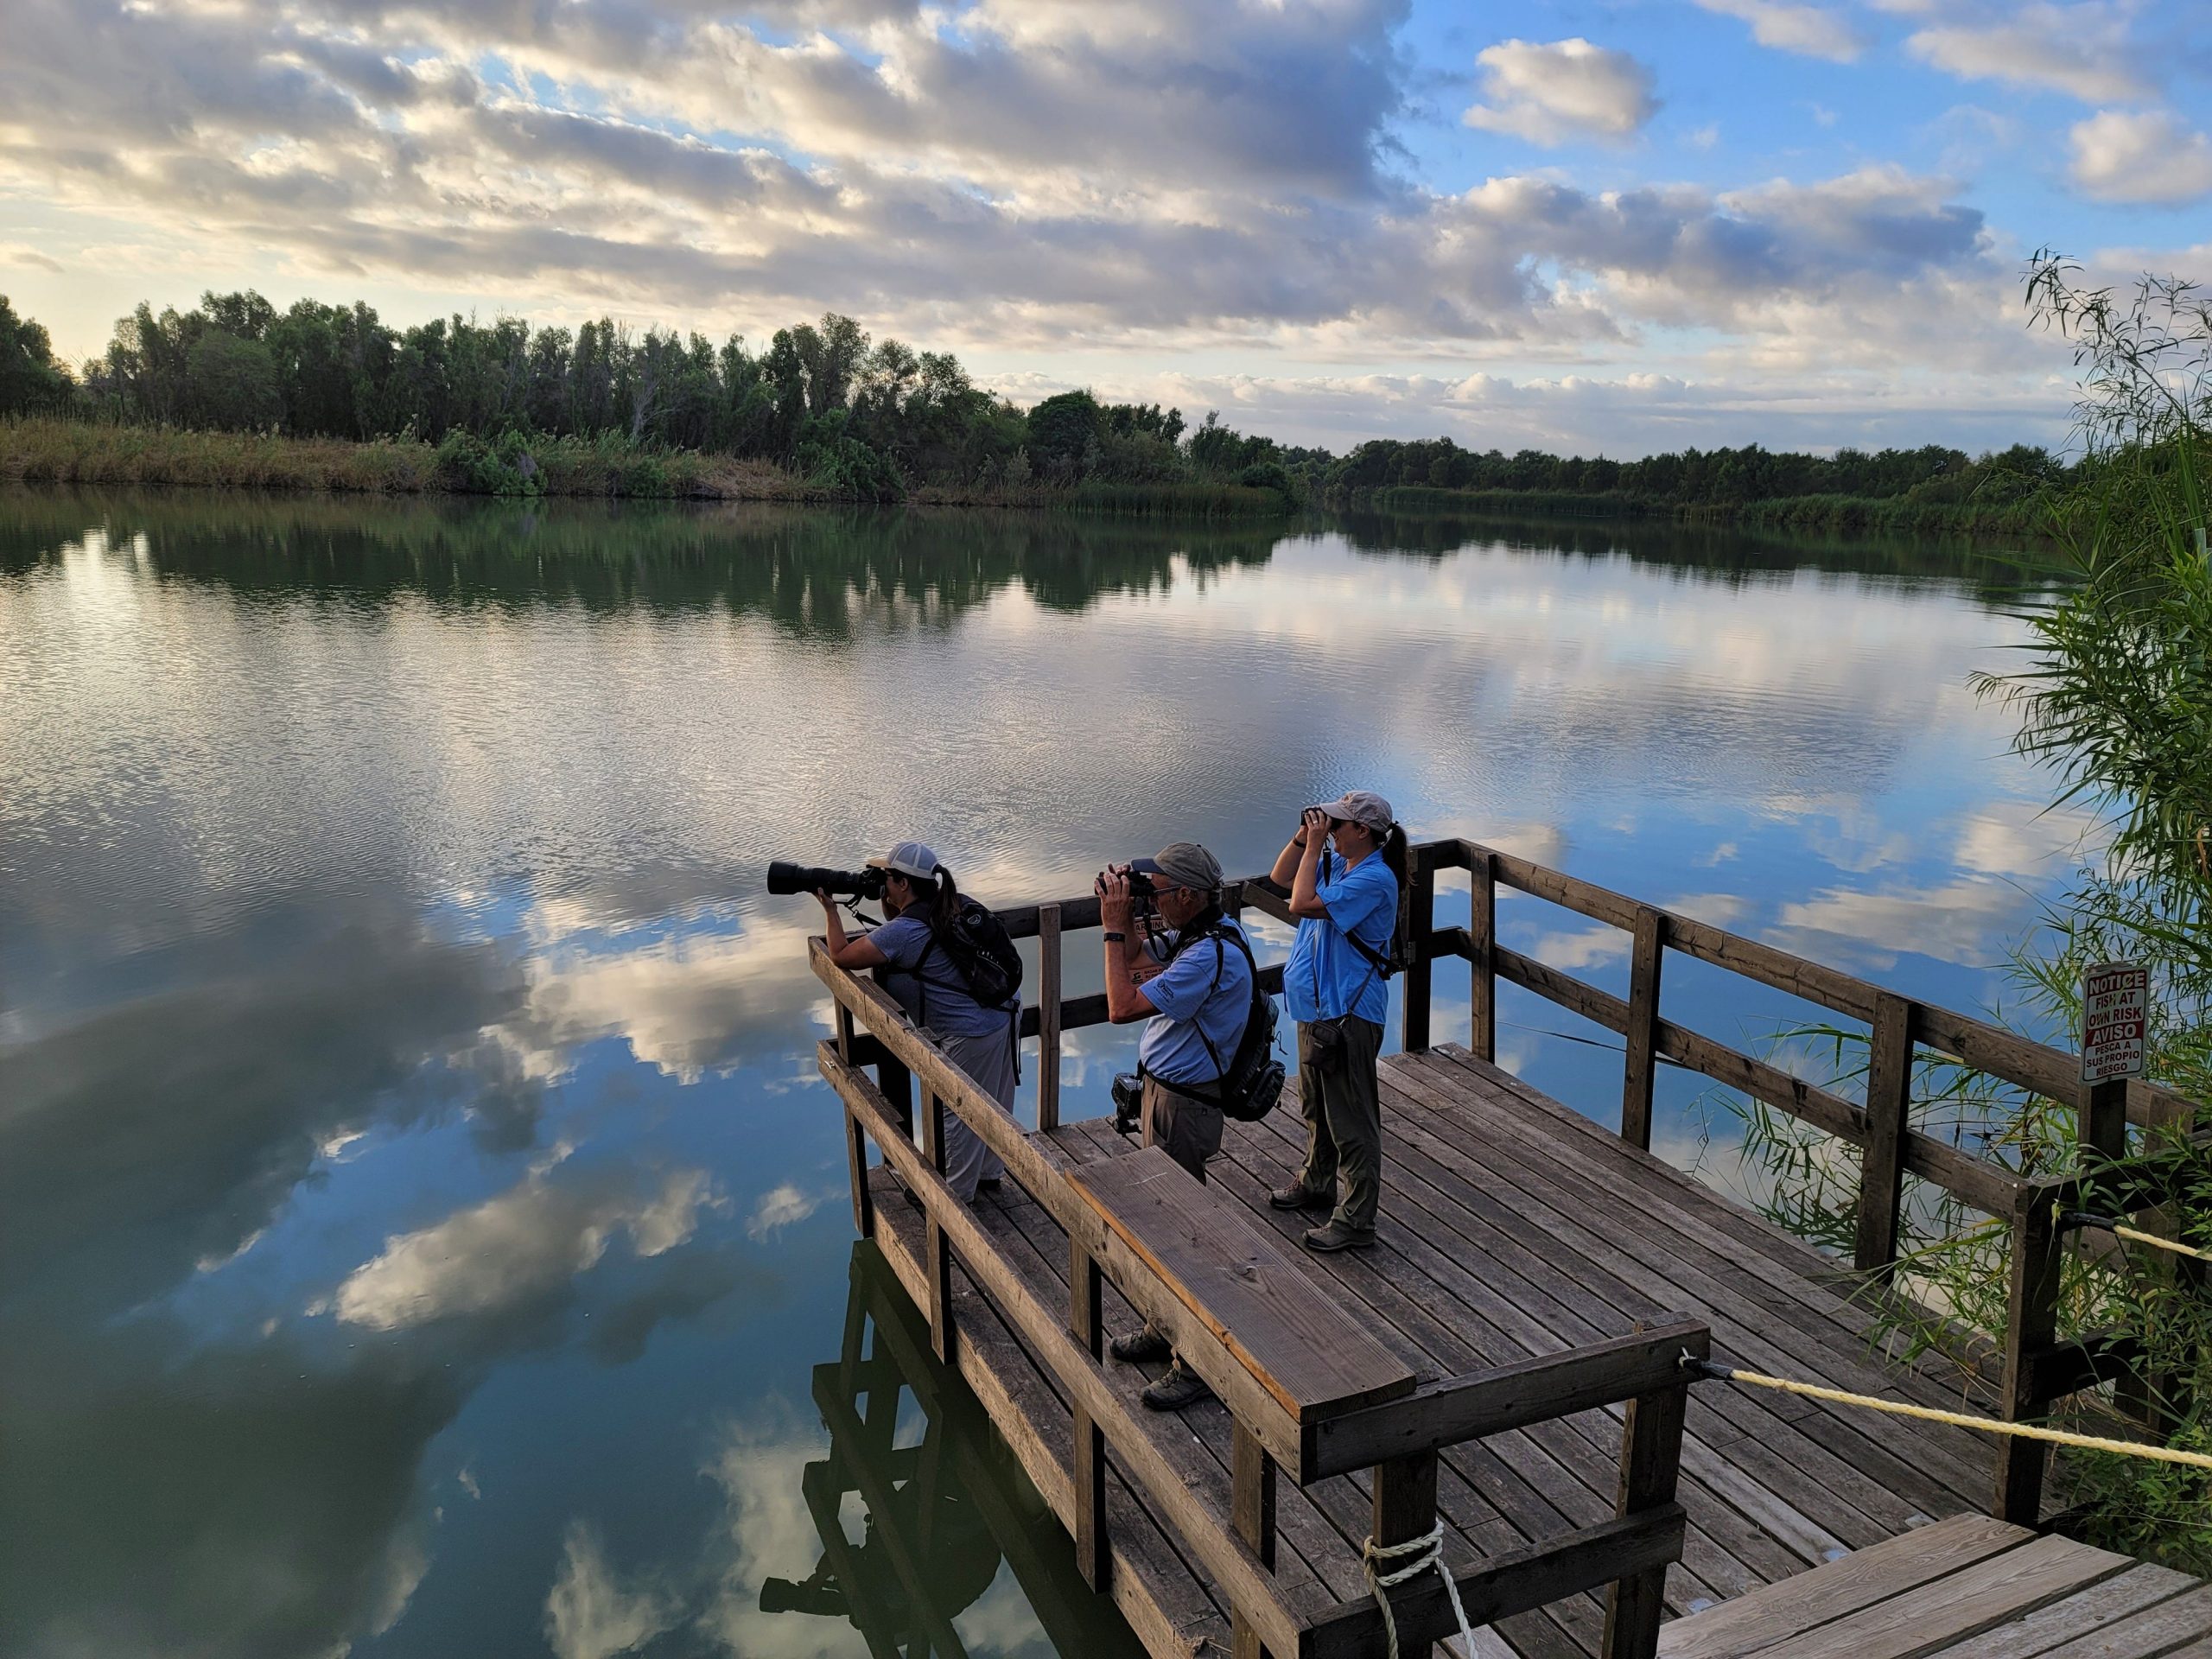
(1248, 1088)
(982, 952)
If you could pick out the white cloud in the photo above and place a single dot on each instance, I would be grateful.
(588, 1615)
(782, 1206)
(1550, 94)
(2083, 50)
(2147, 156)
(1809, 31)
(515, 1248)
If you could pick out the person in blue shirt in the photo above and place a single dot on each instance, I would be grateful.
(922, 978)
(1345, 898)
(1193, 986)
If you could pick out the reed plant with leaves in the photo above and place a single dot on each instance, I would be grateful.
(2115, 700)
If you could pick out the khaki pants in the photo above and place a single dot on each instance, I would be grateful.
(1342, 1099)
(1189, 1129)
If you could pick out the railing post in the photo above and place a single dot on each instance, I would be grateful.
(1482, 937)
(1252, 1510)
(1889, 1101)
(1421, 919)
(856, 1167)
(937, 1254)
(2032, 1329)
(2102, 1120)
(1087, 1322)
(1640, 1071)
(1048, 1017)
(1651, 1460)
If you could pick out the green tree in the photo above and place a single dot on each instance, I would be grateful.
(232, 383)
(29, 378)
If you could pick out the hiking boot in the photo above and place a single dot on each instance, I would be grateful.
(1181, 1387)
(1340, 1235)
(1138, 1346)
(1299, 1196)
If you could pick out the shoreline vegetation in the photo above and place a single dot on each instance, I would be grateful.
(236, 394)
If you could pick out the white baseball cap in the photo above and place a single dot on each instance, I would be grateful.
(908, 858)
(1362, 807)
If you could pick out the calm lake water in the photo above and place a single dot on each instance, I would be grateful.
(420, 1221)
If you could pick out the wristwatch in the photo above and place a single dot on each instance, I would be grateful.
(1115, 938)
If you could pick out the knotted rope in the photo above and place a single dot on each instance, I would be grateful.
(1419, 1554)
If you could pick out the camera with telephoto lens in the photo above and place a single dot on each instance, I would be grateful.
(1129, 1103)
(785, 878)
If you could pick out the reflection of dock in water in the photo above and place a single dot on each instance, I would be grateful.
(1507, 1388)
(940, 1514)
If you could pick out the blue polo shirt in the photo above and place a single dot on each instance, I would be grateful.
(1190, 999)
(924, 981)
(1325, 976)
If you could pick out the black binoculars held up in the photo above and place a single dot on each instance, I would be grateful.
(785, 878)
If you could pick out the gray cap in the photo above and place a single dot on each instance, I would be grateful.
(908, 858)
(1185, 863)
(1362, 807)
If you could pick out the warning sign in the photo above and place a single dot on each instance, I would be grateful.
(2115, 1006)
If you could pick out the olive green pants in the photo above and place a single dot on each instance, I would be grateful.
(1342, 1099)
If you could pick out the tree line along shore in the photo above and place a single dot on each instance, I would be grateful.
(235, 393)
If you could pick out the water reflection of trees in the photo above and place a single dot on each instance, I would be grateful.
(1725, 554)
(818, 572)
(813, 570)
(941, 1511)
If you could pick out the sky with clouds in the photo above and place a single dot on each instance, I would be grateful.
(1627, 226)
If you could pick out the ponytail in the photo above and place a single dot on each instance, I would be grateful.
(1395, 856)
(944, 902)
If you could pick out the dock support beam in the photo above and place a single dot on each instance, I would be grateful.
(1087, 1324)
(1482, 941)
(1421, 919)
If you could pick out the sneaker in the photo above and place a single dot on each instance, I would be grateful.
(1181, 1387)
(1299, 1196)
(1138, 1346)
(990, 1183)
(1340, 1235)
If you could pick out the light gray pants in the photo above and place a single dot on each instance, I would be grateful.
(990, 1061)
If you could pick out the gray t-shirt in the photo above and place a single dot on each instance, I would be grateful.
(925, 984)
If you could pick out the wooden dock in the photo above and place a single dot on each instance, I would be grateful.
(1967, 1588)
(1509, 1366)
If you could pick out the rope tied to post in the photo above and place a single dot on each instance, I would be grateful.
(2133, 1235)
(1958, 1419)
(1419, 1554)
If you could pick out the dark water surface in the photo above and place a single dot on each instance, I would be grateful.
(420, 1225)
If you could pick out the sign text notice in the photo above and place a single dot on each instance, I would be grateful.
(2115, 1005)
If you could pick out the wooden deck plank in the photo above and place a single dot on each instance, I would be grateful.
(2078, 1615)
(1769, 1616)
(2007, 1585)
(2150, 1634)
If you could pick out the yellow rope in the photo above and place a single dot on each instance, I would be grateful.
(1958, 1418)
(2173, 1244)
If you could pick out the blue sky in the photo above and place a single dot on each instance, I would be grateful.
(1586, 226)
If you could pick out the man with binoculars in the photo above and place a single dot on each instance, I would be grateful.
(1193, 983)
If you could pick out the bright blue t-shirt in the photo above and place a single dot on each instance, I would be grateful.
(924, 982)
(1191, 1001)
(1327, 977)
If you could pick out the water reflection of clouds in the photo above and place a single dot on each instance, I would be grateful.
(522, 1245)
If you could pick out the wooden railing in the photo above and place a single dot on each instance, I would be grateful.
(2038, 1369)
(1277, 1605)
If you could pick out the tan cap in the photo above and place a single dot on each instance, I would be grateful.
(1362, 807)
(1185, 863)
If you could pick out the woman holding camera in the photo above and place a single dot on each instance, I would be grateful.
(918, 899)
(1345, 898)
